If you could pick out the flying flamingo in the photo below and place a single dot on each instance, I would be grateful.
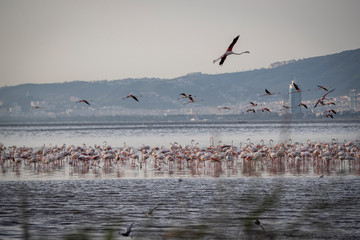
(84, 101)
(192, 100)
(251, 110)
(253, 104)
(229, 52)
(225, 108)
(257, 222)
(267, 92)
(329, 115)
(131, 96)
(128, 230)
(321, 87)
(285, 107)
(184, 95)
(265, 109)
(320, 100)
(37, 107)
(302, 104)
(296, 87)
(331, 111)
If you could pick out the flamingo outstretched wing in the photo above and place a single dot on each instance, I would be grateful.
(135, 98)
(222, 60)
(232, 44)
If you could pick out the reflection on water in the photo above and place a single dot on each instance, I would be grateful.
(194, 208)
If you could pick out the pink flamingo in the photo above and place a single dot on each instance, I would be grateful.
(320, 100)
(229, 52)
(84, 101)
(131, 96)
(267, 92)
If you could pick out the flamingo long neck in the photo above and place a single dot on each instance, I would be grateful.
(239, 53)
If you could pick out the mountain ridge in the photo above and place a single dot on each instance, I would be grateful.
(338, 70)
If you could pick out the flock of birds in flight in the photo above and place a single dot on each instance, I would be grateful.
(322, 100)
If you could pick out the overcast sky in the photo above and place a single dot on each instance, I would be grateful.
(45, 41)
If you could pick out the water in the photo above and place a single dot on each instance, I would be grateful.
(290, 200)
(161, 134)
(196, 208)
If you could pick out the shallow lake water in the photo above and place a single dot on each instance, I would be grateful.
(303, 199)
(194, 208)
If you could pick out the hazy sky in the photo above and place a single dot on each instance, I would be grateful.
(43, 41)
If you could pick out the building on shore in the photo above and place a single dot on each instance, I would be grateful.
(353, 100)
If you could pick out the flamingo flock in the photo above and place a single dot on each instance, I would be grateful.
(318, 155)
(322, 101)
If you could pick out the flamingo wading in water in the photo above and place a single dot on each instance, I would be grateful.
(229, 52)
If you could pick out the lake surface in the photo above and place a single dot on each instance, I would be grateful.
(292, 199)
(163, 133)
(195, 208)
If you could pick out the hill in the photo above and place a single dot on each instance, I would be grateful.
(340, 71)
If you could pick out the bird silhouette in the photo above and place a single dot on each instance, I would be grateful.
(150, 211)
(329, 115)
(225, 108)
(84, 101)
(267, 92)
(131, 96)
(183, 95)
(321, 87)
(37, 107)
(128, 230)
(229, 52)
(253, 104)
(296, 87)
(302, 104)
(257, 222)
(192, 100)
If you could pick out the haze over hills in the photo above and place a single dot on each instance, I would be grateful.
(340, 71)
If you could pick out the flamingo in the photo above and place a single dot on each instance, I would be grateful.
(128, 230)
(192, 100)
(329, 115)
(265, 109)
(302, 104)
(257, 222)
(225, 108)
(320, 100)
(267, 92)
(37, 107)
(253, 104)
(184, 95)
(131, 96)
(286, 107)
(84, 101)
(251, 110)
(321, 87)
(150, 211)
(296, 87)
(229, 52)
